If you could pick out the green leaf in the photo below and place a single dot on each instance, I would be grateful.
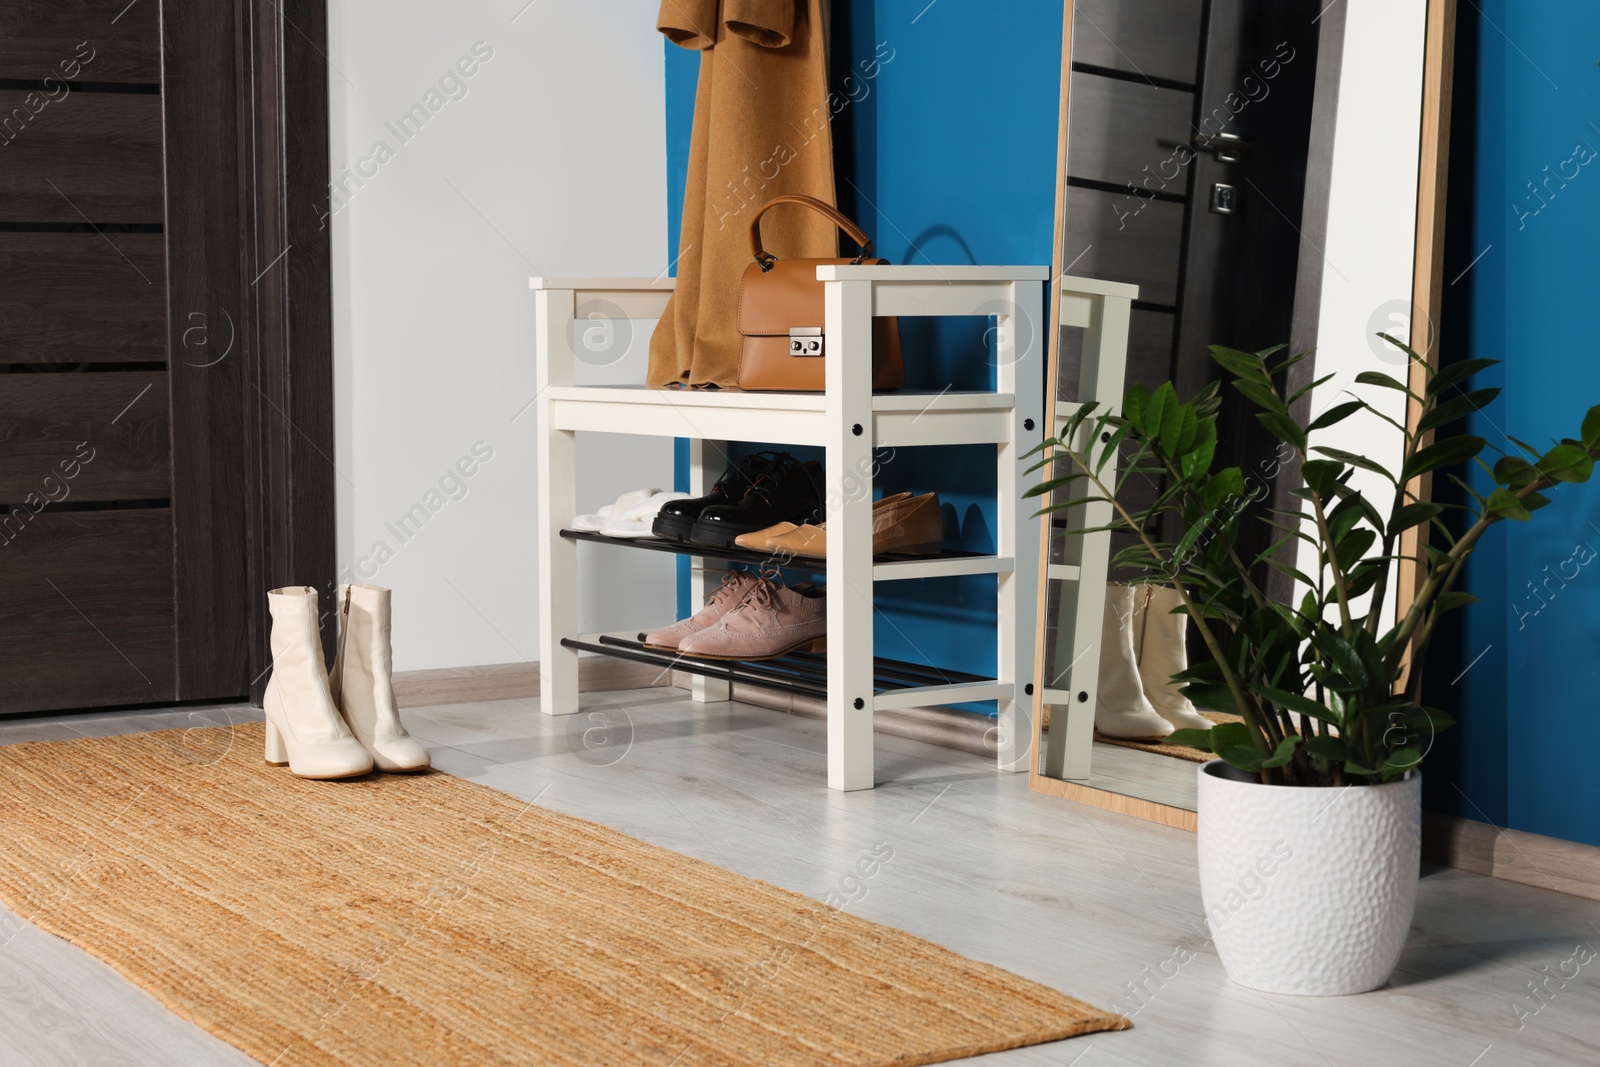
(1332, 749)
(1444, 453)
(1336, 414)
(1411, 353)
(1304, 389)
(1248, 759)
(1284, 428)
(1567, 463)
(1342, 655)
(1350, 548)
(1178, 429)
(1348, 496)
(1591, 429)
(1456, 408)
(1431, 720)
(1134, 403)
(1162, 401)
(1503, 504)
(1200, 739)
(1342, 521)
(1213, 698)
(1321, 475)
(1398, 762)
(1241, 364)
(1229, 733)
(1354, 460)
(1412, 515)
(1263, 396)
(1382, 380)
(1197, 460)
(1304, 705)
(1457, 372)
(1223, 486)
(1111, 447)
(1515, 471)
(1525, 446)
(1452, 599)
(1284, 753)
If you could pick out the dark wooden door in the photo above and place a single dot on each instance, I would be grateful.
(149, 485)
(1187, 143)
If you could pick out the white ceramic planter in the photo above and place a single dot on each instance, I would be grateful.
(1308, 891)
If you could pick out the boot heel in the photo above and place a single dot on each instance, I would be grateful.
(276, 754)
(818, 644)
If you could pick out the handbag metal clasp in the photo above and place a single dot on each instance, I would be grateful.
(805, 340)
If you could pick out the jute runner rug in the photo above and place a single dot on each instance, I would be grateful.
(1162, 748)
(429, 920)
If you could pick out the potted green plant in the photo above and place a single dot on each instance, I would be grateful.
(1309, 836)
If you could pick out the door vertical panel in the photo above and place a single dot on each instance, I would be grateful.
(294, 404)
(208, 341)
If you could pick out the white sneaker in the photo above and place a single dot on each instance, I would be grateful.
(627, 501)
(637, 520)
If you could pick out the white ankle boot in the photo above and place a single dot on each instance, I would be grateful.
(304, 729)
(1163, 653)
(1121, 709)
(362, 683)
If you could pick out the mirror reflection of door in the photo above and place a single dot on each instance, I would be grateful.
(1188, 133)
(1266, 172)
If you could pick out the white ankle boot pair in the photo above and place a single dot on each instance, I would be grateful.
(1141, 648)
(342, 723)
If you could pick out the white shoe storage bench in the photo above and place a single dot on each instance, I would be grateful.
(848, 421)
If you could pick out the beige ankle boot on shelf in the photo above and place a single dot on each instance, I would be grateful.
(1163, 652)
(304, 729)
(1121, 710)
(362, 684)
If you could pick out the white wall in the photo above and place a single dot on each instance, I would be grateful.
(1370, 248)
(548, 159)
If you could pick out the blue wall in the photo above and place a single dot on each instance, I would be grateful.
(945, 154)
(1529, 708)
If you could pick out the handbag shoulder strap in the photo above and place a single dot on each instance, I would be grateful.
(767, 259)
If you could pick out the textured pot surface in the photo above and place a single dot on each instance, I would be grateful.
(1308, 891)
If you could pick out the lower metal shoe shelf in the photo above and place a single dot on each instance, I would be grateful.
(805, 673)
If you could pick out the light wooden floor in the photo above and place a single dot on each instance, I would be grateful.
(1080, 899)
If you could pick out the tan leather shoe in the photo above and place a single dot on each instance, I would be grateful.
(736, 585)
(757, 542)
(904, 524)
(771, 620)
(761, 540)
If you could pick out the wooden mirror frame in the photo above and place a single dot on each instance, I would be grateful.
(1426, 297)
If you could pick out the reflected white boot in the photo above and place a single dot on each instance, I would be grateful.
(304, 729)
(1163, 653)
(1121, 710)
(362, 683)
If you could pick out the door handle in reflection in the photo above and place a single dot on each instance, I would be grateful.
(1226, 147)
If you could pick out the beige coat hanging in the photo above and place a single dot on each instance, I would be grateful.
(761, 128)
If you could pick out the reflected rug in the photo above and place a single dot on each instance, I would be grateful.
(1162, 748)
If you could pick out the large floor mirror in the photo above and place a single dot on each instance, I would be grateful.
(1265, 172)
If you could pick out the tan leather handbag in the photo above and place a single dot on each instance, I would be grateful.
(781, 315)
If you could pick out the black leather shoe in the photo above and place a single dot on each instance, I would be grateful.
(787, 491)
(676, 518)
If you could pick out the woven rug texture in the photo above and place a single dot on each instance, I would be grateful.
(429, 920)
